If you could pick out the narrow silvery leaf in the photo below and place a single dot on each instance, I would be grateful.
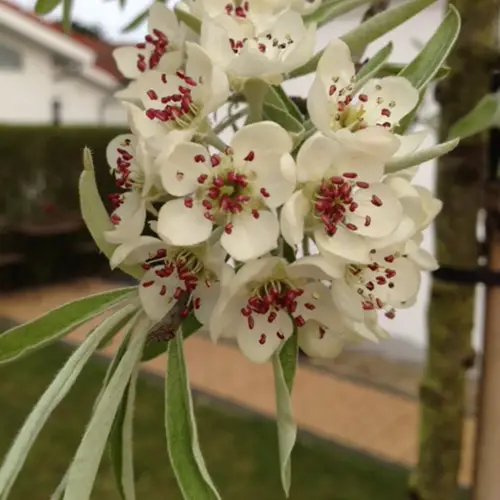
(358, 38)
(66, 16)
(83, 470)
(43, 7)
(55, 324)
(328, 12)
(277, 97)
(392, 69)
(188, 19)
(372, 67)
(482, 117)
(59, 492)
(121, 441)
(420, 156)
(95, 215)
(57, 390)
(182, 435)
(425, 66)
(284, 118)
(284, 368)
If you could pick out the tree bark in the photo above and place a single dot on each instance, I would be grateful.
(450, 316)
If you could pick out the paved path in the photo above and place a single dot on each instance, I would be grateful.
(351, 414)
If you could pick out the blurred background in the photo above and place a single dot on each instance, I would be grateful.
(358, 414)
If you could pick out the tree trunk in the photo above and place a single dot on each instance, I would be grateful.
(459, 185)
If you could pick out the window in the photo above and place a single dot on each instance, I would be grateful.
(9, 58)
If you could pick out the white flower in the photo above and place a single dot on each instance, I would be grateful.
(342, 200)
(318, 341)
(245, 52)
(171, 272)
(390, 281)
(266, 300)
(340, 112)
(162, 49)
(237, 190)
(181, 101)
(132, 166)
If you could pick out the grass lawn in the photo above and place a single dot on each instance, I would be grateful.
(240, 448)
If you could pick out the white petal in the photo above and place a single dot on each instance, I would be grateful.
(262, 137)
(251, 238)
(292, 216)
(317, 267)
(253, 270)
(421, 257)
(315, 157)
(344, 243)
(316, 303)
(187, 161)
(320, 342)
(214, 38)
(162, 19)
(269, 176)
(392, 93)
(376, 144)
(288, 169)
(179, 225)
(336, 62)
(156, 294)
(208, 297)
(410, 143)
(135, 251)
(347, 300)
(124, 143)
(126, 60)
(318, 105)
(383, 218)
(405, 229)
(132, 214)
(262, 341)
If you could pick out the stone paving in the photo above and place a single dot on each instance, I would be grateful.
(358, 416)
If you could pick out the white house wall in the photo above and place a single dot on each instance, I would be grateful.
(26, 95)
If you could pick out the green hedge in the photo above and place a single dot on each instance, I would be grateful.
(40, 167)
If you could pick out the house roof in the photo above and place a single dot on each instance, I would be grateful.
(101, 50)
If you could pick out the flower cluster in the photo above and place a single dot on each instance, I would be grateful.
(272, 234)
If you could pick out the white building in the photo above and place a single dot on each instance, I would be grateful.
(47, 76)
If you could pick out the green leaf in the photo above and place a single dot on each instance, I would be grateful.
(391, 69)
(53, 325)
(330, 10)
(425, 66)
(66, 16)
(283, 118)
(420, 156)
(121, 441)
(57, 390)
(188, 19)
(43, 7)
(95, 215)
(114, 331)
(358, 38)
(373, 66)
(482, 117)
(277, 97)
(284, 368)
(182, 435)
(83, 470)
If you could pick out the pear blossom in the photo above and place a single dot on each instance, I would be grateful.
(171, 272)
(238, 190)
(181, 101)
(340, 111)
(162, 49)
(342, 200)
(132, 166)
(389, 282)
(244, 51)
(267, 299)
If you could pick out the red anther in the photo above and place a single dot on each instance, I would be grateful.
(215, 160)
(251, 322)
(147, 284)
(188, 202)
(250, 156)
(272, 316)
(199, 158)
(228, 228)
(350, 175)
(299, 321)
(262, 339)
(351, 227)
(368, 220)
(363, 97)
(376, 201)
(332, 90)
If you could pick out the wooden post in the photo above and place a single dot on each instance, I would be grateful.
(487, 456)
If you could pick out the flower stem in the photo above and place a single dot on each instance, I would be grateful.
(255, 92)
